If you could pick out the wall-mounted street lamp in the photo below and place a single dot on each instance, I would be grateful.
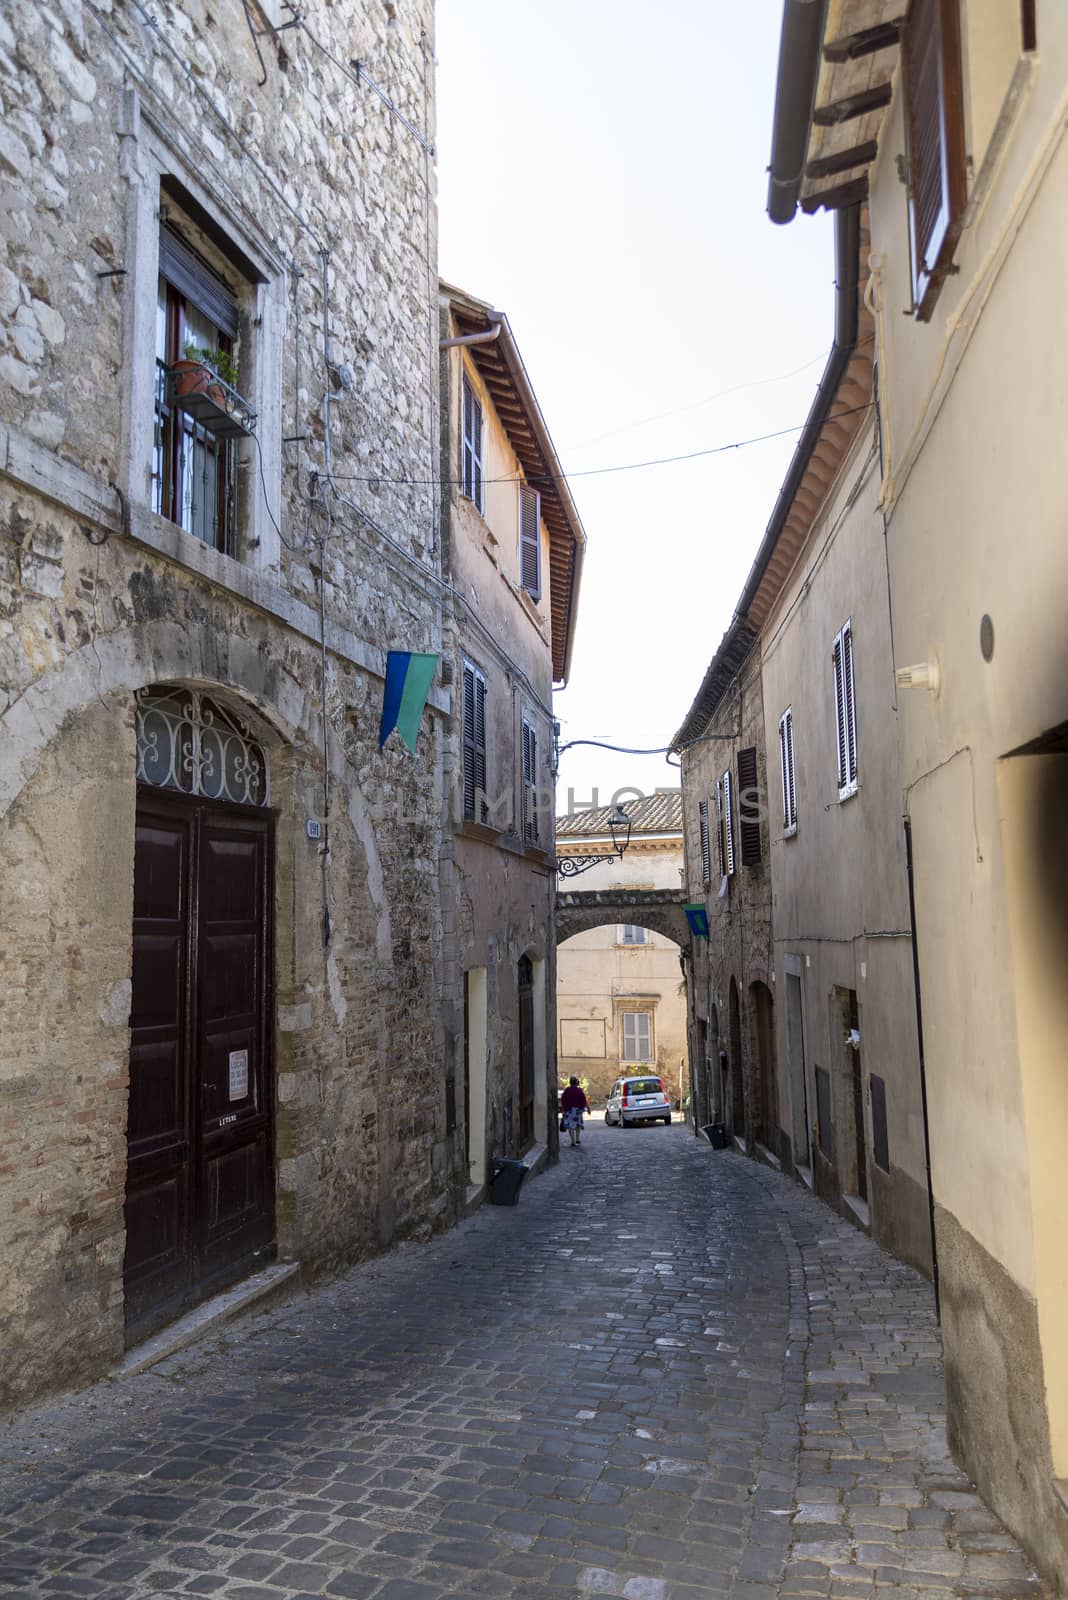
(618, 827)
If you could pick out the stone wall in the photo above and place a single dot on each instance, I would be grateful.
(739, 946)
(107, 116)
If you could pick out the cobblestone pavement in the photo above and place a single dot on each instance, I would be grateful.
(668, 1374)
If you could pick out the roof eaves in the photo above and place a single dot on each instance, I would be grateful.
(728, 660)
(550, 480)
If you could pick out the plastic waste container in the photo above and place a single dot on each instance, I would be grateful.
(506, 1180)
(716, 1134)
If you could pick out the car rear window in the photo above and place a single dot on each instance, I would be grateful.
(645, 1086)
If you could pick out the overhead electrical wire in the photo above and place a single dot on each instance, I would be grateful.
(626, 466)
(695, 405)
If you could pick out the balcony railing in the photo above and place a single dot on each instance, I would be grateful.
(197, 389)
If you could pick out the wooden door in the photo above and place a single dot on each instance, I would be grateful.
(200, 1187)
(526, 1054)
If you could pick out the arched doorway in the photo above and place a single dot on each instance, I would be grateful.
(716, 1083)
(762, 1022)
(737, 1075)
(200, 1131)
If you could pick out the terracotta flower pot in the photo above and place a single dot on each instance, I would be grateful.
(193, 377)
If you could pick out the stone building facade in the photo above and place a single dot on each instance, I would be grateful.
(731, 974)
(223, 946)
(514, 548)
(620, 991)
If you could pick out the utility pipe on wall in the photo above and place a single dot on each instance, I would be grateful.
(907, 822)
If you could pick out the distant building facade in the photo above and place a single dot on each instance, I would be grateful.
(620, 990)
(514, 549)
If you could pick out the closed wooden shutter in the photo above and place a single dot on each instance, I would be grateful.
(472, 465)
(849, 693)
(706, 853)
(530, 540)
(530, 784)
(474, 742)
(728, 824)
(845, 711)
(935, 117)
(749, 806)
(637, 1036)
(786, 760)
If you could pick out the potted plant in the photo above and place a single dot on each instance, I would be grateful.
(200, 372)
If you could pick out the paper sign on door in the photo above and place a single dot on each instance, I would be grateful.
(238, 1074)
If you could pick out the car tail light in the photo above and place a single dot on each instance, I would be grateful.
(626, 1098)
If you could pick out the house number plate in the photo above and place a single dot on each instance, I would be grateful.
(238, 1075)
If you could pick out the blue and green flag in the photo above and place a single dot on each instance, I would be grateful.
(408, 680)
(697, 917)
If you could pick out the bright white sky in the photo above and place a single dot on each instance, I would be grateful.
(602, 172)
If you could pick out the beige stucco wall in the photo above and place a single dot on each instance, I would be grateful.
(839, 884)
(973, 440)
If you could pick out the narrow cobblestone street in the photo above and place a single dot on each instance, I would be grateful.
(667, 1375)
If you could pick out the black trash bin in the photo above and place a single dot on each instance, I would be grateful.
(716, 1134)
(506, 1180)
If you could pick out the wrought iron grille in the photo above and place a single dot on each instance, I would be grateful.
(190, 743)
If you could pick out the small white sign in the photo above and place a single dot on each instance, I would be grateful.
(314, 827)
(238, 1074)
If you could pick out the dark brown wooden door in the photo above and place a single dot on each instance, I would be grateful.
(526, 1054)
(200, 1189)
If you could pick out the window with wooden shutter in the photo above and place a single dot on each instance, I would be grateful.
(530, 540)
(749, 806)
(474, 741)
(472, 464)
(530, 783)
(633, 935)
(934, 102)
(637, 1036)
(845, 712)
(786, 762)
(706, 853)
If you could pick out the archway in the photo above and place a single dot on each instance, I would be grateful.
(766, 1109)
(716, 1062)
(621, 1006)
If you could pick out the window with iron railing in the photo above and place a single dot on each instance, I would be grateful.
(194, 468)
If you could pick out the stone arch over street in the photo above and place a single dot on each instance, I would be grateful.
(621, 1007)
(660, 910)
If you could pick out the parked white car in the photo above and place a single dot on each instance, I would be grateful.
(637, 1100)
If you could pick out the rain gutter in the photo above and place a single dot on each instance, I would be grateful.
(803, 25)
(846, 320)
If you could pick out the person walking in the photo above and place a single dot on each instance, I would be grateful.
(573, 1103)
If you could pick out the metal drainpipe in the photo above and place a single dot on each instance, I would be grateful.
(486, 337)
(907, 823)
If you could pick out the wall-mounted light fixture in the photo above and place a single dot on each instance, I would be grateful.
(619, 829)
(924, 675)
